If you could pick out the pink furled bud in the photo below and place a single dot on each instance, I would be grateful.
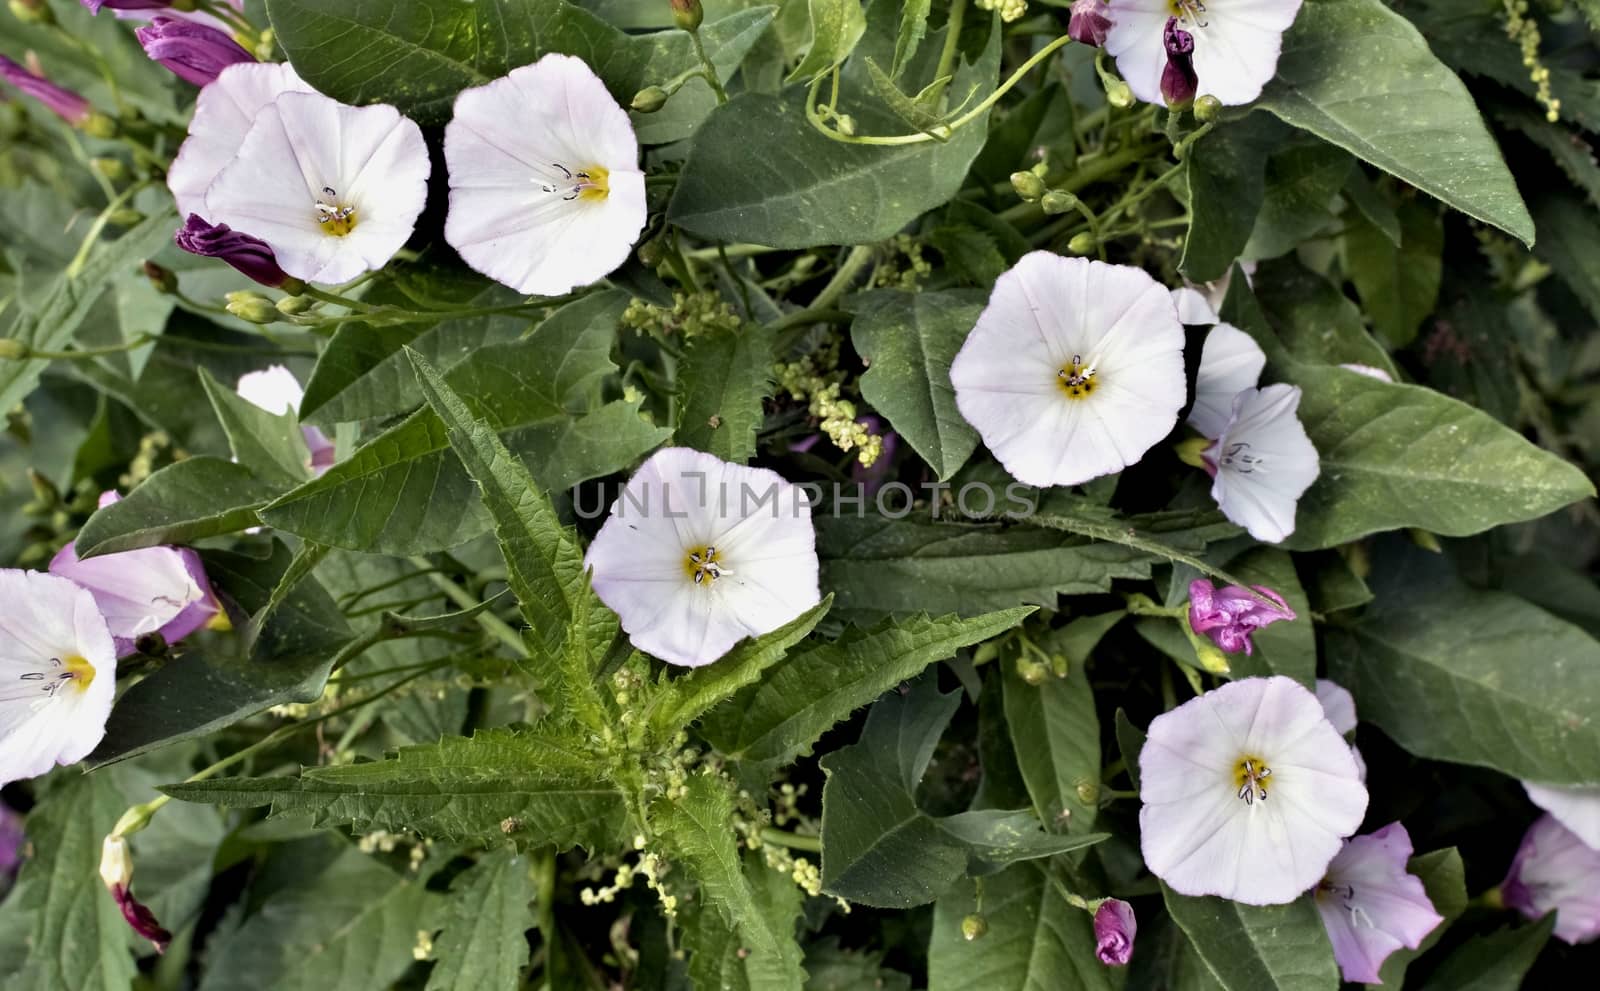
(1229, 615)
(250, 255)
(194, 52)
(116, 872)
(1114, 928)
(1555, 870)
(1178, 80)
(94, 6)
(66, 104)
(1089, 23)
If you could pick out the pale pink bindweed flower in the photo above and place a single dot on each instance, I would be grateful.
(1371, 905)
(1554, 870)
(1576, 807)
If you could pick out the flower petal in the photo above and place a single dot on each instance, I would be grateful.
(1265, 462)
(1230, 362)
(223, 115)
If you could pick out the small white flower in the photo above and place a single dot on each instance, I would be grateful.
(1248, 793)
(1074, 369)
(1236, 44)
(545, 189)
(58, 672)
(1194, 309)
(1576, 807)
(698, 554)
(335, 190)
(1263, 462)
(1230, 362)
(223, 114)
(276, 390)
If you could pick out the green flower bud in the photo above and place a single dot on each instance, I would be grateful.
(1028, 185)
(847, 125)
(110, 168)
(252, 307)
(687, 14)
(164, 279)
(1118, 94)
(1207, 108)
(293, 306)
(1032, 672)
(649, 100)
(293, 286)
(13, 349)
(974, 927)
(98, 126)
(1082, 243)
(32, 12)
(1058, 201)
(651, 253)
(125, 217)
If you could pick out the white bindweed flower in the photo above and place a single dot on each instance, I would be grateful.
(1262, 462)
(334, 190)
(276, 390)
(58, 672)
(1340, 706)
(1194, 309)
(546, 194)
(1248, 793)
(1074, 370)
(1236, 44)
(1230, 362)
(1576, 807)
(223, 114)
(698, 554)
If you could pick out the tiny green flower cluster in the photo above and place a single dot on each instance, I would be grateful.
(1525, 31)
(1010, 10)
(909, 276)
(816, 378)
(692, 313)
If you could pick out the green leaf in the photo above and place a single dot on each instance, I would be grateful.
(1444, 880)
(1251, 948)
(718, 956)
(537, 788)
(77, 938)
(344, 921)
(699, 825)
(1176, 535)
(205, 689)
(1036, 940)
(1130, 740)
(1570, 151)
(1475, 677)
(1404, 456)
(1398, 286)
(879, 566)
(832, 968)
(1359, 75)
(760, 172)
(1315, 321)
(270, 445)
(688, 698)
(1369, 202)
(65, 304)
(878, 847)
(179, 504)
(1496, 962)
(1226, 175)
(913, 26)
(405, 492)
(727, 41)
(482, 946)
(1056, 736)
(722, 380)
(811, 689)
(836, 26)
(1569, 244)
(907, 341)
(1303, 176)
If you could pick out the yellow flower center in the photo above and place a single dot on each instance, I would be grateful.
(703, 566)
(1190, 10)
(1250, 776)
(1076, 379)
(595, 184)
(334, 216)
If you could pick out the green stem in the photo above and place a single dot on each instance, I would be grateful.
(709, 69)
(81, 259)
(324, 296)
(859, 258)
(952, 39)
(794, 841)
(30, 354)
(492, 624)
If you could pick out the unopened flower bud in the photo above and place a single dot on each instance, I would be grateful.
(293, 306)
(1118, 94)
(974, 927)
(1028, 185)
(163, 278)
(847, 125)
(649, 100)
(687, 14)
(1082, 243)
(12, 349)
(1207, 108)
(1058, 201)
(32, 11)
(116, 866)
(651, 253)
(1031, 671)
(109, 168)
(252, 308)
(98, 126)
(124, 217)
(1114, 929)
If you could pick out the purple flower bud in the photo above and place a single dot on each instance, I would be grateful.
(1089, 23)
(95, 5)
(12, 841)
(1114, 928)
(1555, 870)
(1228, 616)
(250, 255)
(1178, 81)
(194, 52)
(69, 106)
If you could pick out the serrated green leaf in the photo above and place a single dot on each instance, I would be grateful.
(718, 957)
(1036, 940)
(1380, 94)
(721, 382)
(1251, 948)
(912, 112)
(836, 26)
(1056, 736)
(908, 341)
(1398, 286)
(1496, 962)
(271, 446)
(913, 27)
(1475, 677)
(181, 503)
(482, 947)
(534, 787)
(811, 689)
(1569, 244)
